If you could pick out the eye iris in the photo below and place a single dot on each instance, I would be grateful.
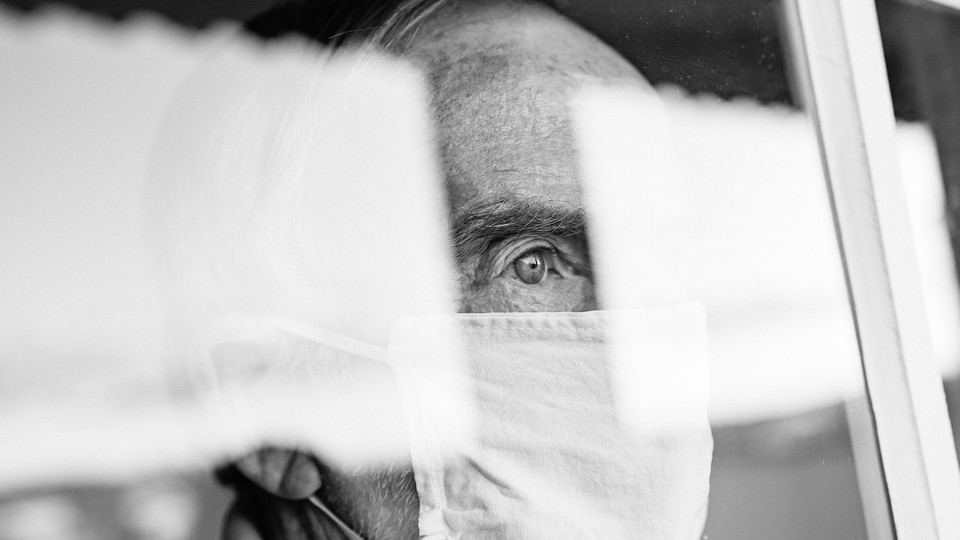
(531, 267)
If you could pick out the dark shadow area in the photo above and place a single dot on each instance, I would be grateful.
(728, 48)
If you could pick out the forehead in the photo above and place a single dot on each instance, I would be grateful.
(502, 75)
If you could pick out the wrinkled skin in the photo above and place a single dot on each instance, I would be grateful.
(502, 74)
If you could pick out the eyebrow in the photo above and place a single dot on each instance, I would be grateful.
(483, 225)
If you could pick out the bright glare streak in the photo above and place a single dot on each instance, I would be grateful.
(90, 388)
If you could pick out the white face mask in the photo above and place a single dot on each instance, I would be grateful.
(550, 454)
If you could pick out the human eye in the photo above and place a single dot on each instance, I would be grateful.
(533, 266)
(533, 261)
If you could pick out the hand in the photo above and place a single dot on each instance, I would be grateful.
(285, 473)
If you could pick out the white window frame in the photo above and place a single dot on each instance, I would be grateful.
(838, 63)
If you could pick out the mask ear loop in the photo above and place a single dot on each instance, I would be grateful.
(328, 338)
(347, 531)
(345, 344)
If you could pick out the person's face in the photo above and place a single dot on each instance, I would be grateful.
(502, 75)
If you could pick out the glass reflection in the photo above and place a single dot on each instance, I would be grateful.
(786, 406)
(783, 351)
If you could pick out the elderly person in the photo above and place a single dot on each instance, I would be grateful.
(501, 73)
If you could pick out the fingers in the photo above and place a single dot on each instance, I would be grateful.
(286, 473)
(237, 526)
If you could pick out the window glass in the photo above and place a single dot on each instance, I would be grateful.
(792, 438)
